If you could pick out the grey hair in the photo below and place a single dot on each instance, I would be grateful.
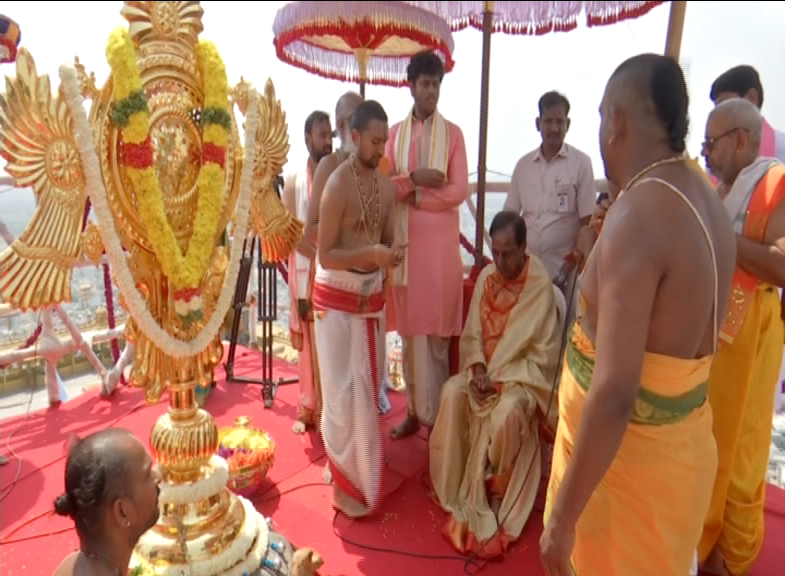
(346, 105)
(743, 114)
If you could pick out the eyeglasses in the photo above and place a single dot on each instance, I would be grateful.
(709, 143)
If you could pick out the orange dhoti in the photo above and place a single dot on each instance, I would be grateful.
(743, 380)
(645, 516)
(741, 393)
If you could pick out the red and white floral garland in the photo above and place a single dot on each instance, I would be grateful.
(137, 307)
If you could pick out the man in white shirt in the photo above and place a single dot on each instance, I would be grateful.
(553, 187)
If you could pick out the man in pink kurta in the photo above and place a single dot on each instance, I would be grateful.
(296, 198)
(427, 156)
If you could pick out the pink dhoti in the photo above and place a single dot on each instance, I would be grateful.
(348, 307)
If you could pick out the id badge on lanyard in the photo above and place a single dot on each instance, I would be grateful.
(562, 196)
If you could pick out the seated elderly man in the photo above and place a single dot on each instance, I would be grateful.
(485, 464)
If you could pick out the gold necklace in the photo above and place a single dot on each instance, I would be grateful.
(365, 203)
(650, 167)
(105, 560)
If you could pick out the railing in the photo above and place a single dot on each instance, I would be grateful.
(45, 342)
(48, 346)
(503, 187)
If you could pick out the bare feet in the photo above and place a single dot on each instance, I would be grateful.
(299, 427)
(714, 564)
(3, 460)
(406, 428)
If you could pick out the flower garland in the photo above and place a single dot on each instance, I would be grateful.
(244, 555)
(211, 484)
(137, 307)
(130, 113)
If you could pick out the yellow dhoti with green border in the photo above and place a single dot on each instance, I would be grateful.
(646, 515)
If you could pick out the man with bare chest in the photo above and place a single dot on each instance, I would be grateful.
(635, 457)
(345, 109)
(355, 245)
(111, 494)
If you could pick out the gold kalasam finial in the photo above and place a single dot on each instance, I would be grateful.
(164, 23)
(86, 82)
(38, 142)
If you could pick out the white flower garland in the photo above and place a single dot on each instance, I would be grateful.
(212, 483)
(249, 548)
(137, 307)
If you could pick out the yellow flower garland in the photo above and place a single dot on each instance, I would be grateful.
(184, 272)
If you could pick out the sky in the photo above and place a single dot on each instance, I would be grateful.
(717, 36)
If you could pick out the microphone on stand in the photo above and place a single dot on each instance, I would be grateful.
(571, 261)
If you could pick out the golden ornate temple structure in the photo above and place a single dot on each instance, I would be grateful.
(161, 161)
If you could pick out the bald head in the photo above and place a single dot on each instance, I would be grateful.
(733, 134)
(740, 113)
(347, 105)
(344, 114)
(651, 89)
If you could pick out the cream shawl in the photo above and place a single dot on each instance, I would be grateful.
(738, 199)
(433, 152)
(528, 352)
(302, 196)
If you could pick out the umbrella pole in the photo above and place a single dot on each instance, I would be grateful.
(675, 29)
(363, 56)
(487, 29)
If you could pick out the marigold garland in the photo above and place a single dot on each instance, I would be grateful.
(130, 113)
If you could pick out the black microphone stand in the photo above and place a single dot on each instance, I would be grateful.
(267, 315)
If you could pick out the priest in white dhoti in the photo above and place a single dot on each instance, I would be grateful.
(484, 447)
(355, 245)
(296, 197)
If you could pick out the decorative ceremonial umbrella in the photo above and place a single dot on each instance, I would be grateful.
(364, 42)
(533, 18)
(10, 36)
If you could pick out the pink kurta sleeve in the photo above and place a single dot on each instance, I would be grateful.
(455, 192)
(403, 183)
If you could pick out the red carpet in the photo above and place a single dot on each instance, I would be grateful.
(408, 522)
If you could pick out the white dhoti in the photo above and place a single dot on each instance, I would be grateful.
(426, 367)
(384, 402)
(348, 309)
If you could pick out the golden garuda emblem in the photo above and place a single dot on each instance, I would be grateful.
(163, 165)
(160, 164)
